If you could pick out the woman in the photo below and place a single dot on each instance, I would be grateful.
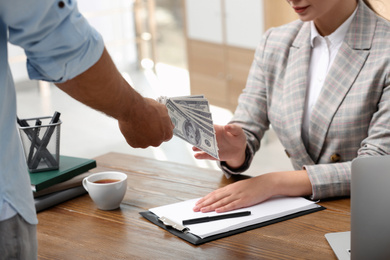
(322, 82)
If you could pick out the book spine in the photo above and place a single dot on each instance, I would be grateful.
(55, 198)
(64, 177)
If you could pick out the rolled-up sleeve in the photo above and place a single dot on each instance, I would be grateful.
(58, 41)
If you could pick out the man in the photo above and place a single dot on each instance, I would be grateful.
(62, 48)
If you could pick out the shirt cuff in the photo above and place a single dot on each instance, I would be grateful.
(230, 171)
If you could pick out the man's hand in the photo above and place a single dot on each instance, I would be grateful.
(148, 125)
(143, 121)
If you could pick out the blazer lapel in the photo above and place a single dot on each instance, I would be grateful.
(295, 84)
(348, 63)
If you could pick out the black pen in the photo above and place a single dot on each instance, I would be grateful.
(30, 135)
(38, 123)
(213, 218)
(45, 140)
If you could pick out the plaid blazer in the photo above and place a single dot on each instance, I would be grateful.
(351, 116)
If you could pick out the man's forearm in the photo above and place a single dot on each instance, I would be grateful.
(103, 88)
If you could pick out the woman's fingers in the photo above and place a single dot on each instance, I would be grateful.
(206, 202)
(237, 195)
(219, 200)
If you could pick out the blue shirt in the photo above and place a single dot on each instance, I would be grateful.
(59, 45)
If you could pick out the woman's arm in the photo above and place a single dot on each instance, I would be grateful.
(252, 191)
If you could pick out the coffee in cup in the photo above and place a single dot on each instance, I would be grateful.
(106, 189)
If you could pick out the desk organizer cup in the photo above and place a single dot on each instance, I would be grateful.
(106, 189)
(41, 142)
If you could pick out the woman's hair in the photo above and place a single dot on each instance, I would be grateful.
(371, 6)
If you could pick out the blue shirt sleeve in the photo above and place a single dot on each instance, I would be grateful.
(58, 41)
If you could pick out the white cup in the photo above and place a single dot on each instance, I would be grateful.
(106, 196)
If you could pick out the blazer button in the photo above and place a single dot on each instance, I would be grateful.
(335, 157)
(287, 153)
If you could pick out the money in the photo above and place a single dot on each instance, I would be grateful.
(193, 121)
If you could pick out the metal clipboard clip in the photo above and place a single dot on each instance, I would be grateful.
(170, 223)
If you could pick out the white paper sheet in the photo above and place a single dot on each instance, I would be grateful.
(268, 210)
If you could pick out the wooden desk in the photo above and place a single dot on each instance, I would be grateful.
(78, 230)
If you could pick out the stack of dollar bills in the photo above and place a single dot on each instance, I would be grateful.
(193, 121)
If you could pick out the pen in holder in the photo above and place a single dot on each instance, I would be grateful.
(41, 142)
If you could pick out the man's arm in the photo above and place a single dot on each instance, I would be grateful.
(142, 121)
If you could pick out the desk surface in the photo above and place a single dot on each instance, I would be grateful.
(78, 230)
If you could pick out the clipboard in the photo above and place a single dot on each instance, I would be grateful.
(195, 240)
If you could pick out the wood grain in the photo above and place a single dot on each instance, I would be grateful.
(76, 229)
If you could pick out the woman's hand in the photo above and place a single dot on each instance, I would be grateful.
(255, 190)
(240, 194)
(231, 141)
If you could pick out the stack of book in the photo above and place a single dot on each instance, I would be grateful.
(53, 187)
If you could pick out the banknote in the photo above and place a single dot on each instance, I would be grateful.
(193, 121)
(193, 103)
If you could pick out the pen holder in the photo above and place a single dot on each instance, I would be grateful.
(41, 143)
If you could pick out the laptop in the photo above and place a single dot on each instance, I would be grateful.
(369, 237)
